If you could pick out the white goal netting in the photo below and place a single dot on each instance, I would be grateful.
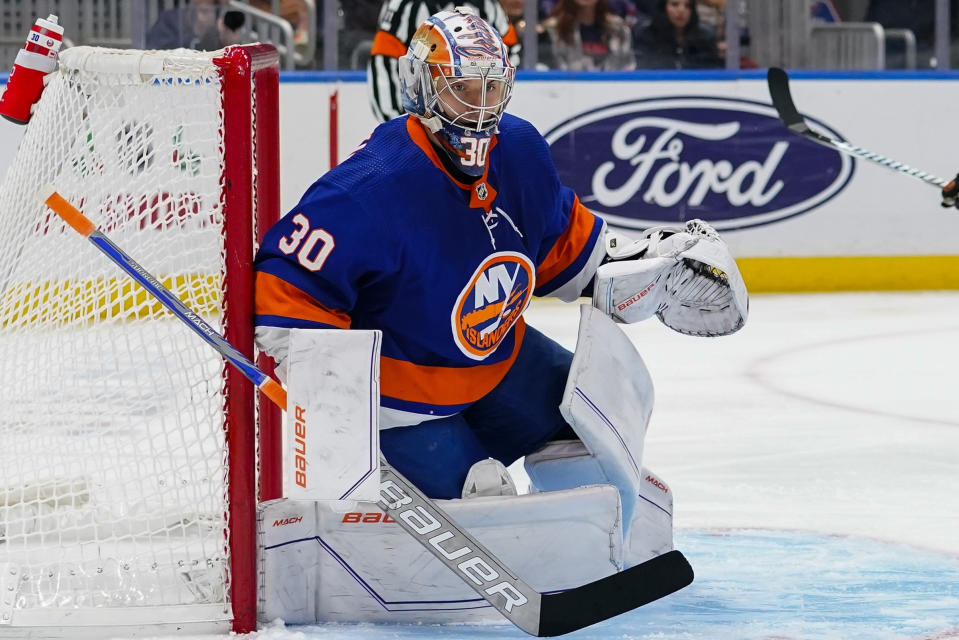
(113, 489)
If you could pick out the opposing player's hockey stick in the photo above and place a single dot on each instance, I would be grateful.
(778, 81)
(539, 614)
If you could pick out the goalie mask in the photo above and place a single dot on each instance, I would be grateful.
(457, 78)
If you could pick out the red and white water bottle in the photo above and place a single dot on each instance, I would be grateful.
(34, 61)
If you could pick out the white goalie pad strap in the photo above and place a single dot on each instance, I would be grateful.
(563, 464)
(332, 419)
(608, 400)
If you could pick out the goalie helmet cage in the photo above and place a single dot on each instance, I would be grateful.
(129, 460)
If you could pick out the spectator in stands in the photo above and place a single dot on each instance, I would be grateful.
(645, 7)
(675, 39)
(586, 36)
(203, 25)
(712, 16)
(628, 11)
(293, 11)
(625, 9)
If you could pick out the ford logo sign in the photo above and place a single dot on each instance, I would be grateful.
(665, 160)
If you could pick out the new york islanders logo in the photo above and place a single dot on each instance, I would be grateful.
(492, 302)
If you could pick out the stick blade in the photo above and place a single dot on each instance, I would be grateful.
(610, 596)
(778, 81)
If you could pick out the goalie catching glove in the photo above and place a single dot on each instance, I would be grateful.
(684, 275)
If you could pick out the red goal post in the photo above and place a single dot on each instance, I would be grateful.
(131, 457)
(252, 185)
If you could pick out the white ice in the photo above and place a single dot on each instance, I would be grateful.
(814, 460)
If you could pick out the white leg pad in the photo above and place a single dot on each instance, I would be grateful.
(565, 464)
(607, 402)
(650, 533)
(332, 421)
(348, 561)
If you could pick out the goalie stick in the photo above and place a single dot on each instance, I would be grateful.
(778, 81)
(82, 225)
(539, 614)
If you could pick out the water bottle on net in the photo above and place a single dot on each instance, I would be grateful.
(34, 61)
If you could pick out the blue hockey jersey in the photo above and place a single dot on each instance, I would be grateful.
(390, 240)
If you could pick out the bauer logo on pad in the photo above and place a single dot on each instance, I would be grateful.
(665, 160)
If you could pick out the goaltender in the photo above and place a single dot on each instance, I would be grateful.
(438, 231)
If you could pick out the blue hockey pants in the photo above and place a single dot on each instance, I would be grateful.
(517, 417)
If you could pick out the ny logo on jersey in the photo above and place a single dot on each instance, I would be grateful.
(491, 303)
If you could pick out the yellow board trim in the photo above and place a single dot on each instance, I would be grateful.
(860, 273)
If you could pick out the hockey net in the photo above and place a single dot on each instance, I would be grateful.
(127, 450)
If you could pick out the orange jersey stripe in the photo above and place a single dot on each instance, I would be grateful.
(386, 44)
(419, 136)
(568, 246)
(445, 385)
(277, 297)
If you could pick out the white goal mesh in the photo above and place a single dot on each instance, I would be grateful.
(113, 449)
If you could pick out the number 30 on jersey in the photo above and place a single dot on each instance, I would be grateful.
(312, 247)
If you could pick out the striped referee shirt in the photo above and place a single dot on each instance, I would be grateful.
(398, 22)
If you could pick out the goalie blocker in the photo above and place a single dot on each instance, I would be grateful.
(683, 275)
